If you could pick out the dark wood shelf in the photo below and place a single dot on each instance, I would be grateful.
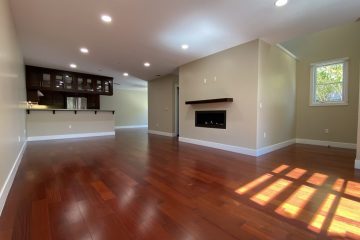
(69, 110)
(216, 100)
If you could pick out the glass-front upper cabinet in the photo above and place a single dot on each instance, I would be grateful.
(69, 82)
(46, 80)
(99, 86)
(59, 81)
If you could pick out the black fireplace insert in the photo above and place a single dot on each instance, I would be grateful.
(211, 119)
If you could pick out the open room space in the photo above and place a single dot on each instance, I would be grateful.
(186, 120)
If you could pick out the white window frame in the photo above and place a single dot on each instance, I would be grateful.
(344, 61)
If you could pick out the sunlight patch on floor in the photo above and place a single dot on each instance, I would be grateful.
(280, 169)
(296, 173)
(317, 179)
(253, 184)
(296, 202)
(270, 192)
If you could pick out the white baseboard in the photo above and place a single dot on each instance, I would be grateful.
(131, 126)
(162, 133)
(277, 146)
(230, 148)
(357, 164)
(10, 178)
(326, 143)
(66, 136)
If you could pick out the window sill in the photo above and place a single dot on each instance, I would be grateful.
(328, 104)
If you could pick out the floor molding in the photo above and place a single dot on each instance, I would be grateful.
(66, 136)
(230, 148)
(131, 126)
(10, 178)
(162, 133)
(357, 164)
(326, 143)
(277, 146)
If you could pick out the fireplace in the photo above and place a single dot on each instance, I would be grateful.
(211, 119)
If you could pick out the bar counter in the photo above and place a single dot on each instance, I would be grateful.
(46, 124)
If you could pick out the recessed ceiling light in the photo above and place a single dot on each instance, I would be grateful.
(106, 18)
(73, 65)
(184, 46)
(125, 74)
(84, 50)
(147, 64)
(281, 3)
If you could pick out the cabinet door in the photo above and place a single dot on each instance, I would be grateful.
(99, 86)
(69, 82)
(46, 80)
(59, 81)
(80, 83)
(108, 87)
(33, 78)
(89, 85)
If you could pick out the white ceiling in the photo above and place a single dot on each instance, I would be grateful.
(52, 31)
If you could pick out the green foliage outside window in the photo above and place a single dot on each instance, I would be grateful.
(329, 83)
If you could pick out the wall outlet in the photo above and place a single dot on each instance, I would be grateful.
(326, 130)
(205, 80)
(261, 105)
(264, 134)
(70, 126)
(19, 139)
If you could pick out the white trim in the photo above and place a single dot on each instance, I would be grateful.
(230, 148)
(162, 133)
(326, 143)
(286, 51)
(10, 178)
(66, 136)
(277, 146)
(131, 126)
(177, 109)
(357, 164)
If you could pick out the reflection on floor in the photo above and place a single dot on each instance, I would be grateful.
(338, 206)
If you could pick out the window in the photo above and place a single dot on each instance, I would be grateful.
(329, 83)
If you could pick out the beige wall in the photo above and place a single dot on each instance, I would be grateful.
(276, 95)
(341, 121)
(45, 123)
(231, 73)
(12, 95)
(131, 106)
(161, 101)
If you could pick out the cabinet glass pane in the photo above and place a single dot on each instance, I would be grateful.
(99, 87)
(59, 81)
(89, 85)
(68, 82)
(106, 86)
(80, 83)
(46, 83)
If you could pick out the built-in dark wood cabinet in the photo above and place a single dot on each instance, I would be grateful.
(38, 78)
(57, 85)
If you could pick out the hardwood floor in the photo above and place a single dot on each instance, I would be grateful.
(139, 186)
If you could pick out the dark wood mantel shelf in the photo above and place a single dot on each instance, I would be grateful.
(216, 100)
